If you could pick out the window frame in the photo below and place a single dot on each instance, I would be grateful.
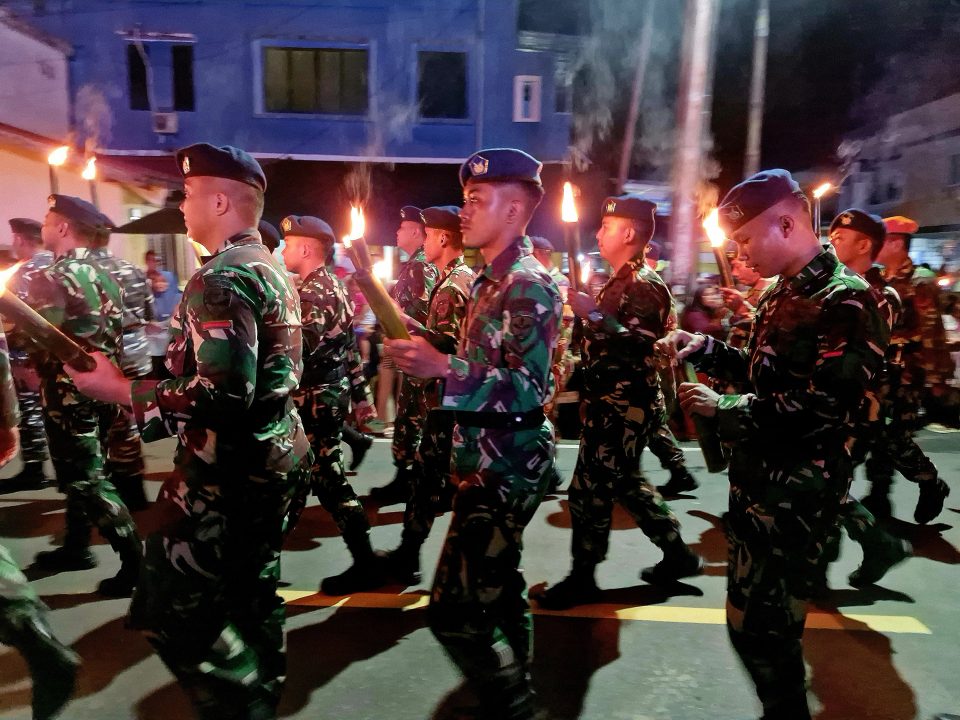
(259, 47)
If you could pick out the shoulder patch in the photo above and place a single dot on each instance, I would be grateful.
(217, 293)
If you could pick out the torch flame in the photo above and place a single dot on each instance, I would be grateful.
(568, 210)
(358, 226)
(90, 170)
(711, 224)
(59, 156)
(585, 272)
(382, 270)
(822, 190)
(5, 275)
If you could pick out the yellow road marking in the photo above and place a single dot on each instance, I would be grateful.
(816, 620)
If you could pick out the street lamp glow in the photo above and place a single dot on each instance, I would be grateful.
(568, 209)
(59, 156)
(822, 190)
(90, 170)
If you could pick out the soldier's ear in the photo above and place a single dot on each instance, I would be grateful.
(787, 224)
(221, 203)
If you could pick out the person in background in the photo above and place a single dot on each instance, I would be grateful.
(166, 297)
(706, 313)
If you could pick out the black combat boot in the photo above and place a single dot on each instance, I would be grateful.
(359, 443)
(681, 481)
(396, 491)
(930, 502)
(403, 563)
(66, 558)
(30, 478)
(131, 491)
(578, 588)
(53, 666)
(679, 561)
(130, 550)
(368, 571)
(877, 561)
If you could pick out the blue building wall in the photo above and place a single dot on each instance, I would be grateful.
(230, 36)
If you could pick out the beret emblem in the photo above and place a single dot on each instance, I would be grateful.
(479, 165)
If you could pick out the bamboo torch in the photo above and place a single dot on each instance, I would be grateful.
(371, 287)
(571, 234)
(717, 240)
(39, 330)
(818, 193)
(54, 160)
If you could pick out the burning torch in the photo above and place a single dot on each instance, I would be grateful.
(368, 282)
(818, 193)
(40, 331)
(54, 160)
(571, 234)
(90, 175)
(717, 241)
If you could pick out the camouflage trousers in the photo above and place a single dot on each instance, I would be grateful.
(124, 449)
(431, 477)
(408, 425)
(33, 438)
(776, 544)
(323, 410)
(478, 606)
(862, 527)
(207, 594)
(18, 601)
(663, 445)
(608, 471)
(76, 431)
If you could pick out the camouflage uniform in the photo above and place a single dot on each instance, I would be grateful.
(207, 593)
(817, 341)
(332, 377)
(33, 438)
(80, 298)
(623, 410)
(22, 614)
(415, 282)
(501, 373)
(124, 452)
(916, 359)
(431, 473)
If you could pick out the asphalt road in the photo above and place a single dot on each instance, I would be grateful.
(887, 653)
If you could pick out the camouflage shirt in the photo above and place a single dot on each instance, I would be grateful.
(448, 307)
(84, 301)
(20, 283)
(513, 320)
(329, 342)
(920, 339)
(617, 351)
(137, 310)
(9, 409)
(235, 354)
(817, 341)
(415, 282)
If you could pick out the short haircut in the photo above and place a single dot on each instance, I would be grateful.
(456, 237)
(532, 195)
(246, 199)
(876, 242)
(905, 237)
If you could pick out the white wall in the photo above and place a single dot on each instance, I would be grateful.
(33, 85)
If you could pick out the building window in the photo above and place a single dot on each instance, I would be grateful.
(315, 80)
(527, 91)
(954, 170)
(442, 84)
(176, 56)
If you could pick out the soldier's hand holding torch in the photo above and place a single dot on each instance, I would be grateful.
(581, 303)
(105, 382)
(695, 397)
(677, 345)
(417, 357)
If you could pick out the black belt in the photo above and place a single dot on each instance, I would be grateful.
(324, 375)
(501, 420)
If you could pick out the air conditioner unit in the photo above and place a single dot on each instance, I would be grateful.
(166, 123)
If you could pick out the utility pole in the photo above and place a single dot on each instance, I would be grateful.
(643, 58)
(696, 63)
(761, 33)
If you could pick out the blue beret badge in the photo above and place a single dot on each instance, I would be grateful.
(186, 165)
(286, 225)
(846, 218)
(479, 165)
(611, 207)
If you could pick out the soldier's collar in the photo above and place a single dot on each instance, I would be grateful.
(498, 268)
(822, 264)
(244, 237)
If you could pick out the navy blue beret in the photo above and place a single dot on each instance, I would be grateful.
(79, 211)
(307, 226)
(206, 160)
(501, 165)
(25, 226)
(853, 219)
(269, 235)
(753, 196)
(540, 243)
(411, 213)
(442, 217)
(629, 206)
